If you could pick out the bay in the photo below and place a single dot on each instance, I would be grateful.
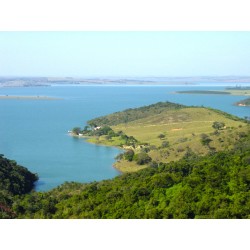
(34, 132)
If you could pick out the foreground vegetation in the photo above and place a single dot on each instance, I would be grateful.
(212, 186)
(14, 180)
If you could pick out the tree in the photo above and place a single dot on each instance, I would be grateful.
(76, 130)
(142, 158)
(161, 136)
(103, 131)
(218, 125)
(86, 128)
(128, 155)
(111, 133)
(205, 140)
(92, 124)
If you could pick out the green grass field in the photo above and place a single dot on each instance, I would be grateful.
(182, 129)
(185, 123)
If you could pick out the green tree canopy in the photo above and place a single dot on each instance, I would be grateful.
(76, 130)
(218, 125)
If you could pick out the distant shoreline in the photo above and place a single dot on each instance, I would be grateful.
(135, 83)
(243, 103)
(215, 92)
(29, 97)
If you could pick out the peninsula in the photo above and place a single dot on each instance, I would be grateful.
(163, 132)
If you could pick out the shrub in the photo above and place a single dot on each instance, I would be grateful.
(161, 136)
(128, 155)
(165, 144)
(205, 140)
(218, 125)
(142, 158)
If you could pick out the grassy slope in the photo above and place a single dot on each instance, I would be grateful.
(182, 128)
(175, 125)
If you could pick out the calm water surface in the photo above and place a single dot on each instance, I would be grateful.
(34, 132)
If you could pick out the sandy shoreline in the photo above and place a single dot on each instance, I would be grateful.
(29, 97)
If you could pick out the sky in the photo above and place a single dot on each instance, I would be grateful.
(91, 54)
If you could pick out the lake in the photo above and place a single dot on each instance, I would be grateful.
(34, 132)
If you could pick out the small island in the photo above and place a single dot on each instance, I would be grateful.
(203, 92)
(227, 91)
(29, 97)
(244, 103)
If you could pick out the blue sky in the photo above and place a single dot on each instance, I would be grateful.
(90, 54)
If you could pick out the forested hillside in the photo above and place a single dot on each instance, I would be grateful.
(129, 115)
(14, 180)
(213, 186)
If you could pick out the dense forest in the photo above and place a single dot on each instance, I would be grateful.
(14, 180)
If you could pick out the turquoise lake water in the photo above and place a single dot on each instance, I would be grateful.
(34, 132)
